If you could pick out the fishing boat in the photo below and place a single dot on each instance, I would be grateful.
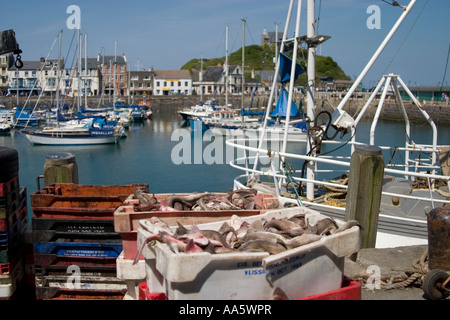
(411, 187)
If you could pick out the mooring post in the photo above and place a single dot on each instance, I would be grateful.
(60, 167)
(364, 191)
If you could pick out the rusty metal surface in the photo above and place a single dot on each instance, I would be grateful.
(438, 221)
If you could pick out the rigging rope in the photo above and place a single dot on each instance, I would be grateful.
(406, 36)
(445, 70)
(413, 276)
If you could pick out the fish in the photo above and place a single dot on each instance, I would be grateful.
(192, 247)
(280, 225)
(349, 224)
(262, 246)
(302, 240)
(155, 225)
(146, 201)
(237, 235)
(279, 294)
(326, 226)
(215, 237)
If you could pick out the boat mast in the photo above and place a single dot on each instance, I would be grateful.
(243, 64)
(311, 32)
(201, 78)
(58, 74)
(79, 70)
(85, 70)
(226, 66)
(115, 67)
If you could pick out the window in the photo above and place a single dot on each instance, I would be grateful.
(179, 83)
(171, 83)
(157, 83)
(165, 83)
(186, 84)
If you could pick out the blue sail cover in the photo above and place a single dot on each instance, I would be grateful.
(285, 69)
(282, 106)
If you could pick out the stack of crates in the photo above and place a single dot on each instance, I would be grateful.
(75, 245)
(13, 224)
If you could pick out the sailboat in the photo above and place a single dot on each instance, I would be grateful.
(77, 131)
(410, 189)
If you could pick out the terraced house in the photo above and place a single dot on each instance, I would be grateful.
(172, 82)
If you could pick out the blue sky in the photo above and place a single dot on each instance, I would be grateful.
(167, 34)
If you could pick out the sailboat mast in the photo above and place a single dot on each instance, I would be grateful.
(311, 30)
(201, 78)
(79, 69)
(226, 66)
(243, 63)
(85, 70)
(58, 74)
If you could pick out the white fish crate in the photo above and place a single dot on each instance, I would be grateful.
(306, 270)
(132, 274)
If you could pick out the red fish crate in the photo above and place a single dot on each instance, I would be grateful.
(54, 293)
(145, 294)
(351, 290)
(8, 186)
(5, 268)
(71, 201)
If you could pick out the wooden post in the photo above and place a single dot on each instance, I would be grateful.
(364, 191)
(60, 167)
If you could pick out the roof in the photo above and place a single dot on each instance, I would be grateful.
(91, 63)
(118, 59)
(172, 74)
(267, 75)
(271, 36)
(28, 65)
(214, 74)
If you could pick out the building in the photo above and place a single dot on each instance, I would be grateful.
(6, 61)
(172, 82)
(214, 79)
(113, 66)
(140, 83)
(25, 81)
(271, 37)
(331, 84)
(90, 77)
(427, 93)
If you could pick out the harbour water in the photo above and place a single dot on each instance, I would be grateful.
(146, 156)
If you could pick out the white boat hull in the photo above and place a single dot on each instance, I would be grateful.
(63, 140)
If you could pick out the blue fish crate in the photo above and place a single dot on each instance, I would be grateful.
(76, 249)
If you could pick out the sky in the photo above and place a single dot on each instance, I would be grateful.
(167, 34)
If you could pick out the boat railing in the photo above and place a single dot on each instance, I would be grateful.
(273, 170)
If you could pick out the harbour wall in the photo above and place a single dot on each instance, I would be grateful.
(438, 111)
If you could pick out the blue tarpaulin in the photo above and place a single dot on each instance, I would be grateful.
(282, 106)
(285, 69)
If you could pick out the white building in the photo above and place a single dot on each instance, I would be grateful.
(24, 81)
(90, 78)
(172, 82)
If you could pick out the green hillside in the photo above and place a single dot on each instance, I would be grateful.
(254, 57)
